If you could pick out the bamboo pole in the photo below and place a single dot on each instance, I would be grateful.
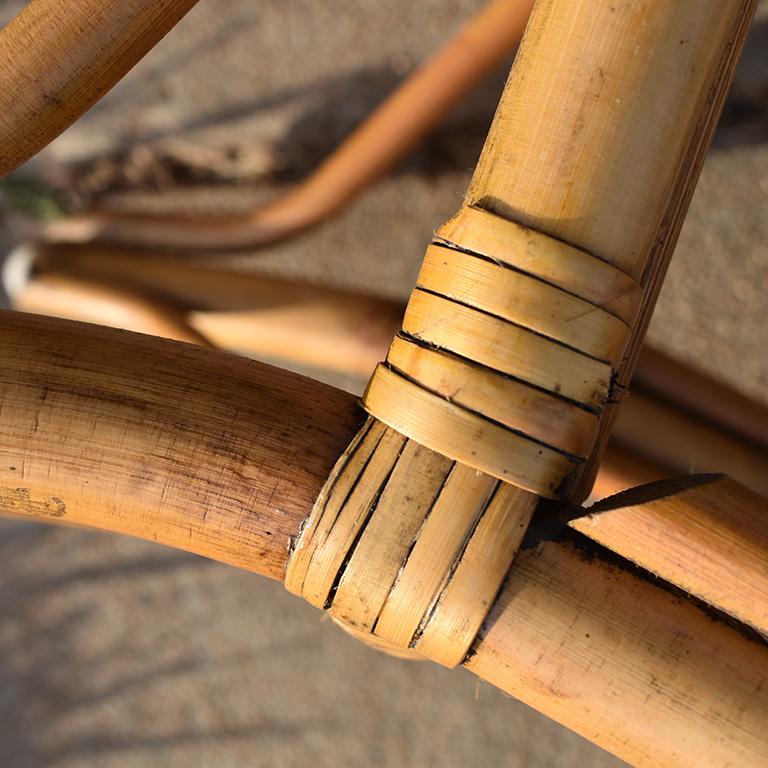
(382, 140)
(640, 671)
(224, 457)
(690, 388)
(58, 58)
(169, 442)
(295, 322)
(601, 133)
(94, 302)
(585, 641)
(706, 533)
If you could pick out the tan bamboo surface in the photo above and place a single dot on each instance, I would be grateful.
(224, 457)
(609, 105)
(622, 469)
(558, 106)
(653, 438)
(58, 58)
(645, 85)
(698, 423)
(262, 316)
(644, 673)
(383, 139)
(647, 674)
(407, 546)
(169, 442)
(90, 301)
(709, 537)
(684, 443)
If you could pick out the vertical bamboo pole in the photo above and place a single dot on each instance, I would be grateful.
(601, 133)
(598, 141)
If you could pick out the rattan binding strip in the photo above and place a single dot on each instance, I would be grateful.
(503, 319)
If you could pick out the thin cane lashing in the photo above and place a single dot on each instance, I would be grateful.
(494, 385)
(502, 319)
(408, 547)
(526, 308)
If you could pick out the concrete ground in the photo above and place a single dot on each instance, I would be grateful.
(119, 653)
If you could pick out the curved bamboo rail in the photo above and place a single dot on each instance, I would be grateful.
(59, 58)
(224, 457)
(642, 672)
(169, 442)
(383, 139)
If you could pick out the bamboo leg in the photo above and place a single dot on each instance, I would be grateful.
(91, 301)
(58, 58)
(266, 317)
(601, 133)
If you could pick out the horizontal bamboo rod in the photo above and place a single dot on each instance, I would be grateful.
(290, 321)
(644, 673)
(689, 387)
(707, 534)
(58, 58)
(189, 447)
(91, 301)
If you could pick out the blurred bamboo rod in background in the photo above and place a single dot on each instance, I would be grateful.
(383, 139)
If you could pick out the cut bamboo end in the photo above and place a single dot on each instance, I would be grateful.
(407, 548)
(706, 534)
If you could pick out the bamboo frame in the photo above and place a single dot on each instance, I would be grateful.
(583, 639)
(267, 317)
(169, 442)
(570, 630)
